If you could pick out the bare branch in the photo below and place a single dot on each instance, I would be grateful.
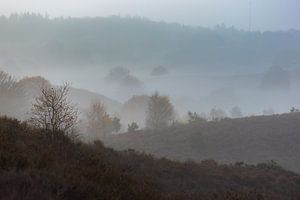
(52, 110)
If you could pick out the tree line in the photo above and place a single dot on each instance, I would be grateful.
(116, 40)
(53, 111)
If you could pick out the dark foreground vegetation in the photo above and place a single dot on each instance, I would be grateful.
(34, 165)
(251, 139)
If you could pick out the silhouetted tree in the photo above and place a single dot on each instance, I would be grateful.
(194, 117)
(52, 110)
(294, 110)
(132, 127)
(160, 112)
(116, 124)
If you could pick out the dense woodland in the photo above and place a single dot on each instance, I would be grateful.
(35, 40)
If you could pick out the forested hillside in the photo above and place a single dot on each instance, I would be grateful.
(34, 40)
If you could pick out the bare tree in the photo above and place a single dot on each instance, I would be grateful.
(160, 112)
(52, 110)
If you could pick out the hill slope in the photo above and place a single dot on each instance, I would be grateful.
(84, 98)
(17, 101)
(253, 139)
(32, 166)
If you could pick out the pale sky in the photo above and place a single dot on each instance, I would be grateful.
(267, 14)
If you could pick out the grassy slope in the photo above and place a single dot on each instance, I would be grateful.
(253, 139)
(33, 167)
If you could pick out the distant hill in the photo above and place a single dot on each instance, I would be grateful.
(29, 89)
(34, 166)
(34, 40)
(252, 139)
(84, 98)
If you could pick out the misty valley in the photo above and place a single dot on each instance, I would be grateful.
(131, 108)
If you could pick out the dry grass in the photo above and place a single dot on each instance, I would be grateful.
(34, 167)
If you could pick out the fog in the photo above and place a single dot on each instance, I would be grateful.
(190, 90)
(198, 68)
(140, 99)
(266, 15)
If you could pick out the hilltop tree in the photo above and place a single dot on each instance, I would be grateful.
(99, 123)
(294, 110)
(52, 110)
(116, 124)
(132, 127)
(194, 117)
(160, 112)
